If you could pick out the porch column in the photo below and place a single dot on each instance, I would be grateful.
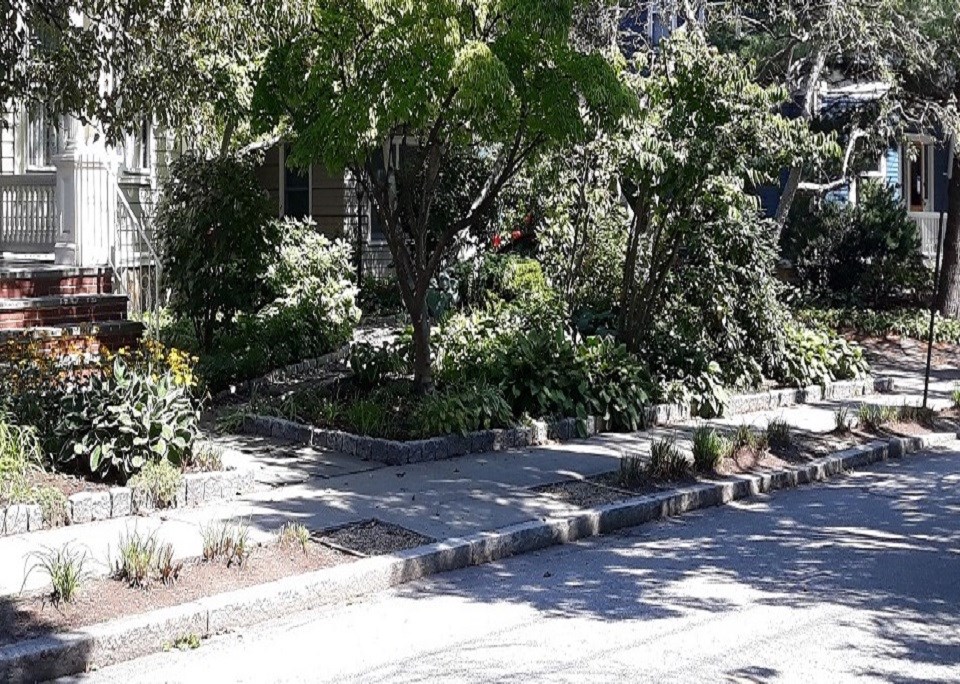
(86, 197)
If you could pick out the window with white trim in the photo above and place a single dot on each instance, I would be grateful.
(137, 148)
(40, 139)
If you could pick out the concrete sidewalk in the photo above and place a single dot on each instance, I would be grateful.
(443, 499)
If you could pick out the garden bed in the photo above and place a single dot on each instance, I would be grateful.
(537, 432)
(800, 449)
(108, 599)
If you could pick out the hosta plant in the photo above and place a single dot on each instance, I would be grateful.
(131, 416)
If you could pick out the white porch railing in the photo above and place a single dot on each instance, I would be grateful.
(134, 260)
(929, 224)
(28, 213)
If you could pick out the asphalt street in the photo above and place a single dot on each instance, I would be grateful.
(857, 579)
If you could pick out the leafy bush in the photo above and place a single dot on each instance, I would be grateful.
(308, 309)
(709, 449)
(159, 481)
(461, 410)
(867, 255)
(540, 370)
(313, 275)
(912, 323)
(123, 419)
(814, 357)
(373, 364)
(35, 378)
(380, 297)
(216, 241)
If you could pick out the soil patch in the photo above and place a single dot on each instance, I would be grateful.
(371, 538)
(106, 599)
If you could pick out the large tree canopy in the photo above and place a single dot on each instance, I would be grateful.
(182, 63)
(804, 46)
(483, 84)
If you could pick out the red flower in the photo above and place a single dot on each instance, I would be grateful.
(516, 235)
(496, 241)
(528, 219)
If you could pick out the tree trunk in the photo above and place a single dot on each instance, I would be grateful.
(787, 196)
(948, 292)
(422, 366)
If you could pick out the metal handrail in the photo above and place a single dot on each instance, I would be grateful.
(134, 263)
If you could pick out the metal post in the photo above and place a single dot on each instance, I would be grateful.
(936, 274)
(933, 310)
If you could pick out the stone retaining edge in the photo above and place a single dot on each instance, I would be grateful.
(120, 502)
(248, 386)
(391, 452)
(136, 636)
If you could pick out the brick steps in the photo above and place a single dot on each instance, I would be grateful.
(20, 313)
(57, 302)
(16, 284)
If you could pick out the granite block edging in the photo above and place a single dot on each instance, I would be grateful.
(287, 372)
(538, 432)
(120, 502)
(135, 636)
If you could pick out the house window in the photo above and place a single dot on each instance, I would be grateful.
(296, 190)
(40, 140)
(136, 149)
(917, 185)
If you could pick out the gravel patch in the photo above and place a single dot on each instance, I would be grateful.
(371, 538)
(582, 493)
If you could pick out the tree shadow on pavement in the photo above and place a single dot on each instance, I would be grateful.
(884, 544)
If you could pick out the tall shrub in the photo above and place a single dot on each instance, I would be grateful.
(865, 255)
(216, 240)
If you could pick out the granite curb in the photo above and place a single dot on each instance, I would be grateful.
(119, 502)
(132, 637)
(538, 432)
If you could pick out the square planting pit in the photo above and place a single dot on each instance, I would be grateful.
(582, 493)
(370, 538)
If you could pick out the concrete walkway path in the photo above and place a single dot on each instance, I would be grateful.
(442, 499)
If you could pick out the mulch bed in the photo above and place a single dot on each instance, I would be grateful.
(106, 599)
(371, 538)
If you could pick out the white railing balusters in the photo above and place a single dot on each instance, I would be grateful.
(28, 213)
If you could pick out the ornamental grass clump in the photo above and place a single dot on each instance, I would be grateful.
(667, 462)
(632, 473)
(65, 567)
(779, 434)
(137, 558)
(709, 449)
